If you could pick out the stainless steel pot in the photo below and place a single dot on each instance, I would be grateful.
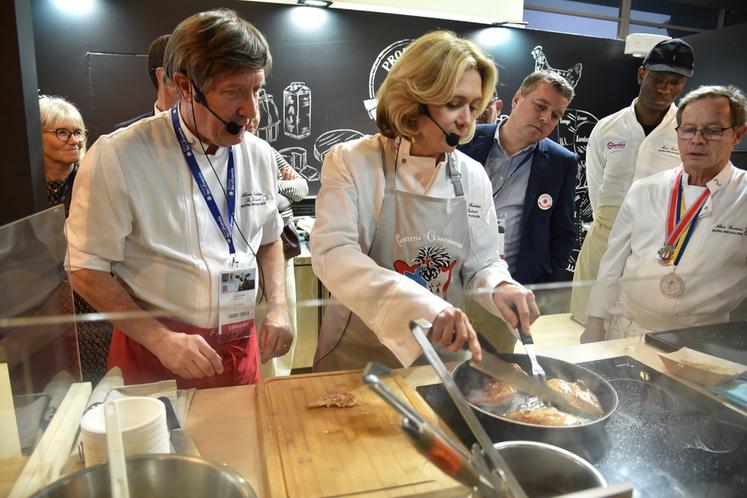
(588, 439)
(546, 470)
(152, 476)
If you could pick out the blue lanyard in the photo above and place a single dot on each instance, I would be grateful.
(225, 228)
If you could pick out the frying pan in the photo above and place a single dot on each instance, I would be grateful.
(591, 431)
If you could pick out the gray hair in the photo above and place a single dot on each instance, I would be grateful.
(551, 77)
(53, 109)
(737, 101)
(212, 43)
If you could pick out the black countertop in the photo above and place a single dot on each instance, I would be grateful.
(724, 340)
(666, 439)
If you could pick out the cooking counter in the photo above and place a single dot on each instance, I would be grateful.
(224, 422)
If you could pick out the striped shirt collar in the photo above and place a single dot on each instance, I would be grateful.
(497, 141)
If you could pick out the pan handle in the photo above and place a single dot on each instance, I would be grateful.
(502, 477)
(428, 440)
(444, 455)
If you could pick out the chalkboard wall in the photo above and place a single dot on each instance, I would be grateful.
(327, 67)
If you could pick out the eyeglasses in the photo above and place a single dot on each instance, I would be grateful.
(709, 133)
(64, 134)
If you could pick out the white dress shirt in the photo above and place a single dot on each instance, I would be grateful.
(138, 213)
(713, 266)
(619, 153)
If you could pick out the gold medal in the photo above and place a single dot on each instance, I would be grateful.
(665, 255)
(672, 285)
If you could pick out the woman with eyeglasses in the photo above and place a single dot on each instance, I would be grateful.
(64, 140)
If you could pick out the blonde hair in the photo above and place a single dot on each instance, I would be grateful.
(428, 72)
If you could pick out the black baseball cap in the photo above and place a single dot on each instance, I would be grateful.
(673, 55)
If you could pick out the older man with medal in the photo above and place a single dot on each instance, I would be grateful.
(677, 254)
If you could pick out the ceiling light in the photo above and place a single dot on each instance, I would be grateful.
(315, 3)
(74, 7)
(509, 24)
(493, 36)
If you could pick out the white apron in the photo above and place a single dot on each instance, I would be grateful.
(438, 242)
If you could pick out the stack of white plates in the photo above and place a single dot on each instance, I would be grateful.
(144, 430)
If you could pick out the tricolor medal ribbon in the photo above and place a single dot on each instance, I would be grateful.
(680, 224)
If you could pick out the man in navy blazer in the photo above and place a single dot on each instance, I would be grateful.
(533, 178)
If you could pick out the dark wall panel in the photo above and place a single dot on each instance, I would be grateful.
(106, 73)
(324, 74)
(725, 63)
(22, 191)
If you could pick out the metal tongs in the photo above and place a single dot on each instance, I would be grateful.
(502, 480)
(431, 442)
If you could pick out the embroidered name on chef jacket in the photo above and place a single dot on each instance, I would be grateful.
(253, 199)
(668, 149)
(616, 145)
(474, 210)
(730, 230)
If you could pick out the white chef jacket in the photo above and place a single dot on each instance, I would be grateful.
(713, 266)
(138, 212)
(347, 211)
(618, 153)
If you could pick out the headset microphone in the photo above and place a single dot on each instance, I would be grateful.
(232, 127)
(452, 139)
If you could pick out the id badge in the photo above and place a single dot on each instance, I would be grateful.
(502, 222)
(236, 301)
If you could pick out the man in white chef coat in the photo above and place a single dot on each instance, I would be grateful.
(633, 143)
(677, 254)
(171, 211)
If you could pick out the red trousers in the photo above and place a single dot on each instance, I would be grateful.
(139, 366)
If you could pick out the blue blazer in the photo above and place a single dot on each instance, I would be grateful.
(547, 235)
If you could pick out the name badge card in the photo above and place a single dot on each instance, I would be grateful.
(236, 301)
(502, 222)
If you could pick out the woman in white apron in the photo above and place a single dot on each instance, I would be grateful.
(405, 224)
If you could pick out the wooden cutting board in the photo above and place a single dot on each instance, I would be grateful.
(361, 450)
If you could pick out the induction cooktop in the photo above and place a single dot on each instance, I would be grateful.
(665, 439)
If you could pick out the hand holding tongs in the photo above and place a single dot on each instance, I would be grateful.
(501, 478)
(431, 442)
